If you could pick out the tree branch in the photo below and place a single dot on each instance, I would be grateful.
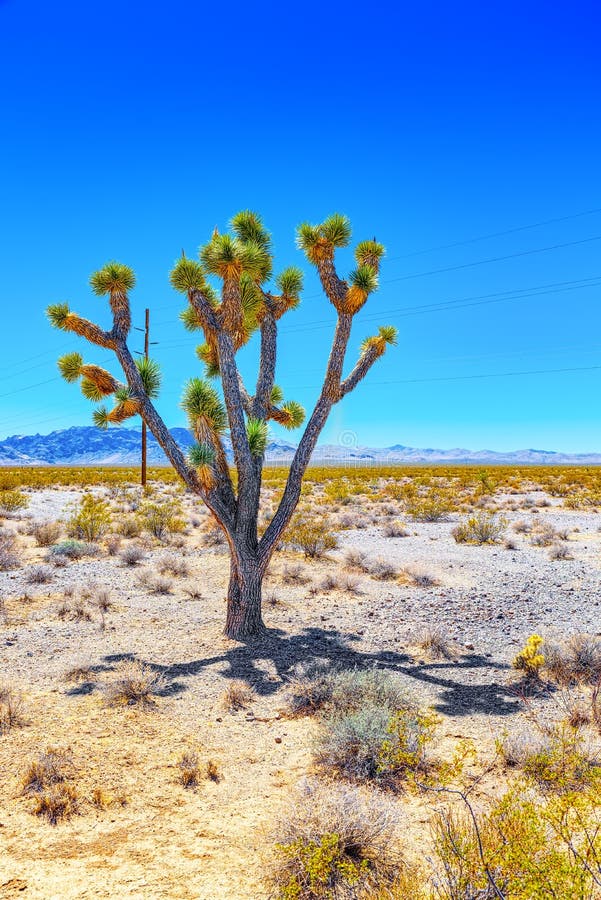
(361, 369)
(329, 395)
(267, 363)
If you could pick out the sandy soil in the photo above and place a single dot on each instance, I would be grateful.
(156, 839)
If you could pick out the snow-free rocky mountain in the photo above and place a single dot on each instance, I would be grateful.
(87, 445)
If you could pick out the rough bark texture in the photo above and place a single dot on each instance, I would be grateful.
(244, 618)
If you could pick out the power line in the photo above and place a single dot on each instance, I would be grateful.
(495, 234)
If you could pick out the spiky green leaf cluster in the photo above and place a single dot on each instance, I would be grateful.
(100, 418)
(190, 319)
(369, 253)
(201, 455)
(248, 226)
(277, 395)
(150, 373)
(296, 414)
(389, 333)
(57, 314)
(365, 278)
(336, 230)
(187, 275)
(123, 394)
(290, 282)
(201, 401)
(225, 255)
(251, 300)
(256, 432)
(70, 366)
(91, 391)
(113, 277)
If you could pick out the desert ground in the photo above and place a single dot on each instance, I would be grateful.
(394, 585)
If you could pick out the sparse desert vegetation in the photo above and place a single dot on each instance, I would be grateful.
(413, 694)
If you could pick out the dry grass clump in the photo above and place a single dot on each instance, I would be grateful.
(130, 527)
(560, 552)
(214, 537)
(419, 577)
(51, 767)
(189, 769)
(544, 535)
(39, 574)
(156, 584)
(57, 804)
(131, 556)
(394, 529)
(46, 533)
(11, 708)
(294, 574)
(355, 560)
(170, 564)
(237, 695)
(575, 660)
(9, 558)
(522, 527)
(135, 684)
(381, 569)
(335, 842)
(434, 643)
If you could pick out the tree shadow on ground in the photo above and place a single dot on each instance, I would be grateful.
(458, 694)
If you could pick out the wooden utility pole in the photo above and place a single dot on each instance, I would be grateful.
(146, 344)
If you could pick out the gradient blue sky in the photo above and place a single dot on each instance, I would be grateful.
(129, 130)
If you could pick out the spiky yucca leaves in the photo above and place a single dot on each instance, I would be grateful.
(187, 275)
(290, 284)
(116, 280)
(228, 257)
(150, 374)
(251, 301)
(100, 417)
(277, 395)
(369, 253)
(58, 313)
(387, 335)
(204, 408)
(208, 354)
(248, 226)
(103, 380)
(90, 390)
(202, 458)
(319, 241)
(291, 415)
(256, 432)
(114, 277)
(61, 317)
(363, 280)
(70, 366)
(295, 414)
(128, 405)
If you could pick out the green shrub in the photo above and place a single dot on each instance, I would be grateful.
(313, 537)
(73, 549)
(161, 519)
(91, 520)
(335, 843)
(482, 528)
(11, 501)
(433, 506)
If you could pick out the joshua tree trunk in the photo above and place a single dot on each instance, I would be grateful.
(243, 261)
(243, 619)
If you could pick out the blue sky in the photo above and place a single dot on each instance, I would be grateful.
(466, 137)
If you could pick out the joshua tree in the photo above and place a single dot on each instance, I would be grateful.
(242, 262)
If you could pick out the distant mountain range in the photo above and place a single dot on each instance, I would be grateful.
(87, 445)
